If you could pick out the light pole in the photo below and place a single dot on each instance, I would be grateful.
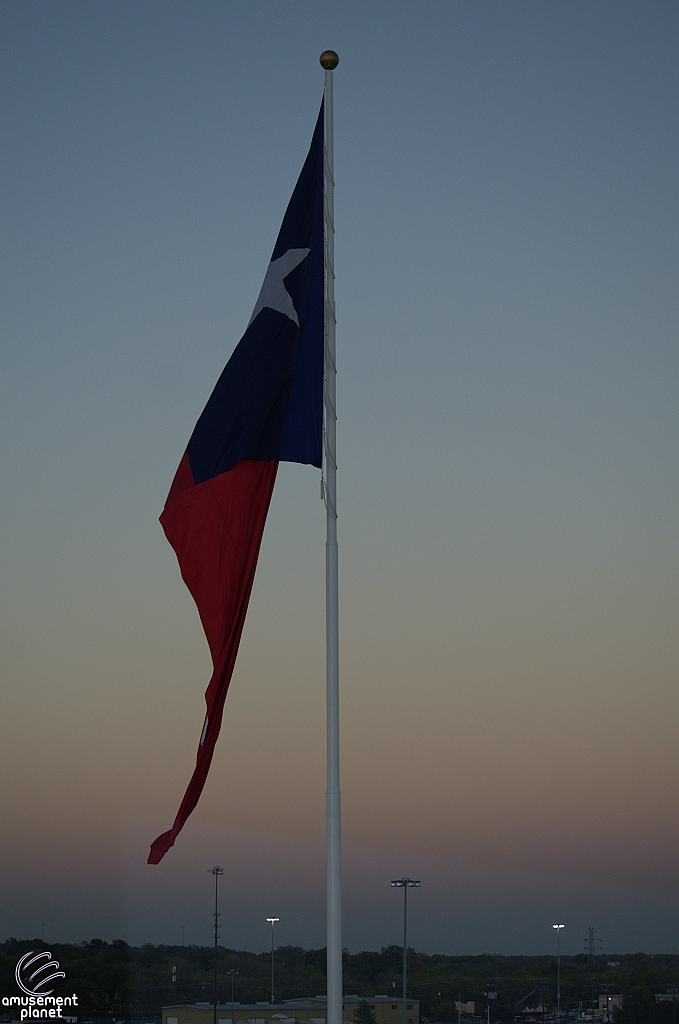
(273, 921)
(216, 872)
(233, 974)
(405, 884)
(558, 965)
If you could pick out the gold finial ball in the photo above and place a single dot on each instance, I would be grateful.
(329, 60)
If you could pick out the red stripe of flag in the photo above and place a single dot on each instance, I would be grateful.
(215, 528)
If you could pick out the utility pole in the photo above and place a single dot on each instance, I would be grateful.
(216, 872)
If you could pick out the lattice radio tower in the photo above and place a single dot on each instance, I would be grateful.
(590, 944)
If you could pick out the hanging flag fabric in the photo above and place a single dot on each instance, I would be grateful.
(267, 407)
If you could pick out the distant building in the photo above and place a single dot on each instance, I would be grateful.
(466, 1008)
(311, 1010)
(607, 1003)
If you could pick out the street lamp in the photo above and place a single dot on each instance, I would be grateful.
(233, 974)
(216, 872)
(558, 965)
(405, 884)
(273, 921)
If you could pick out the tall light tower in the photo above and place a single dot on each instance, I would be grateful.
(216, 872)
(405, 884)
(273, 921)
(558, 965)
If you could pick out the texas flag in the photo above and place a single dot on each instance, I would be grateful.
(267, 406)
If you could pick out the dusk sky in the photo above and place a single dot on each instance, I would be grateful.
(508, 447)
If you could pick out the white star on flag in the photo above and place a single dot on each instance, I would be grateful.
(273, 294)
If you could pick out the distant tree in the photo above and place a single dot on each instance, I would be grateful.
(641, 1008)
(364, 1014)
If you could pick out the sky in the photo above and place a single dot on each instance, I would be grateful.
(506, 258)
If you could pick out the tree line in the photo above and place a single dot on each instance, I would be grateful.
(115, 980)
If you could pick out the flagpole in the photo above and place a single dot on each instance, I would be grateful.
(329, 61)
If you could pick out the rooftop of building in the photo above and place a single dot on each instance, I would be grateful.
(287, 1004)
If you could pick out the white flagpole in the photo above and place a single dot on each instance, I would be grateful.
(333, 846)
